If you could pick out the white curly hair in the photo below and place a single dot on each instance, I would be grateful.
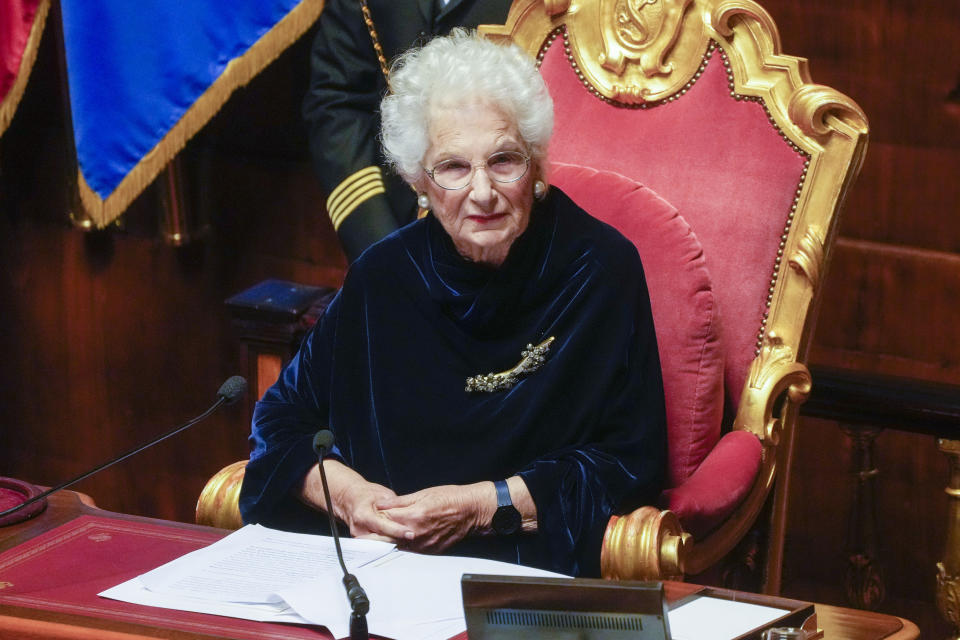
(455, 70)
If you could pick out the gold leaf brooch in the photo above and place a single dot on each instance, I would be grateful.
(531, 359)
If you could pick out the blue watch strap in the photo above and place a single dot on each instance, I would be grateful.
(503, 494)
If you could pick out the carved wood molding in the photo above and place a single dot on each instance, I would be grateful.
(809, 256)
(772, 373)
(647, 544)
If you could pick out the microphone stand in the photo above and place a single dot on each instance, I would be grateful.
(229, 392)
(359, 603)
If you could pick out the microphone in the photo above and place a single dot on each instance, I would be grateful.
(230, 391)
(359, 603)
(233, 389)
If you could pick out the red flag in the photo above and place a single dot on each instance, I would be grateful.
(21, 24)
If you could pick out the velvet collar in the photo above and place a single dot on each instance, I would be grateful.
(483, 298)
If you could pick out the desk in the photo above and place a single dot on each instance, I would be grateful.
(35, 613)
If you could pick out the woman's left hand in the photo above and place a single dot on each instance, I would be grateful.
(438, 517)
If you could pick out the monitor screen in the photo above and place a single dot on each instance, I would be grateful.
(511, 608)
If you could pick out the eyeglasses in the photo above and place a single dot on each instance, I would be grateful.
(457, 173)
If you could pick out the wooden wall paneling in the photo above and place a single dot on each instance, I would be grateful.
(896, 59)
(888, 304)
(269, 366)
(892, 308)
(101, 364)
(112, 337)
(907, 195)
(272, 210)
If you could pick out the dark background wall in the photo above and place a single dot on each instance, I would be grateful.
(891, 300)
(107, 338)
(113, 336)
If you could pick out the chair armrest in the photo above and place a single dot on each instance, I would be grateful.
(219, 502)
(647, 544)
(650, 544)
(719, 484)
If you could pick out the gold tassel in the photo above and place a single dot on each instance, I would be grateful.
(181, 216)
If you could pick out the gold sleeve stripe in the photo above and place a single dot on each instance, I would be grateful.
(336, 205)
(360, 196)
(366, 172)
(352, 192)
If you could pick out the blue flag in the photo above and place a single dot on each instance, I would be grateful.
(145, 76)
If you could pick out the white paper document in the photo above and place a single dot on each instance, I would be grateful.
(707, 618)
(254, 563)
(411, 595)
(274, 576)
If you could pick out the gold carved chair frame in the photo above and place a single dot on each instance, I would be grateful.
(639, 53)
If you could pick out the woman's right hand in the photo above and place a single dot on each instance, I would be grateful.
(357, 507)
(354, 501)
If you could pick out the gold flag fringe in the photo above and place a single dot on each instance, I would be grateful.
(9, 104)
(238, 72)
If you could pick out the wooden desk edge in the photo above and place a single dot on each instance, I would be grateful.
(910, 631)
(24, 628)
(67, 505)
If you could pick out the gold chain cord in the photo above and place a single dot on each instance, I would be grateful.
(382, 59)
(368, 19)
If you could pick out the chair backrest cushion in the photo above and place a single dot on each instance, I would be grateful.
(720, 161)
(681, 297)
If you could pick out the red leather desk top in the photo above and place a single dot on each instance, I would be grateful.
(63, 570)
(52, 567)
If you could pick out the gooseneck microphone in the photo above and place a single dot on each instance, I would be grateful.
(359, 603)
(230, 391)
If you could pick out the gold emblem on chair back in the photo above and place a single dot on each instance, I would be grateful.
(642, 32)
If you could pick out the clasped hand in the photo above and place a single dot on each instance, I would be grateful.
(428, 521)
(437, 517)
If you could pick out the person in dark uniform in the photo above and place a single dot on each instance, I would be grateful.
(365, 202)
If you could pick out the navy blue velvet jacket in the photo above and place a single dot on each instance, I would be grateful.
(385, 370)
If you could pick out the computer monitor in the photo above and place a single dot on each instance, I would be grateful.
(523, 608)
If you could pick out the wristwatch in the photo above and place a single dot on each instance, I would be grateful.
(506, 519)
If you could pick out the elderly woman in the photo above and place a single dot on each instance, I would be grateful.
(435, 449)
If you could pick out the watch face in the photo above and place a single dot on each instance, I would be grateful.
(506, 520)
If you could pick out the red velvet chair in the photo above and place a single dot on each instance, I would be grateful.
(682, 124)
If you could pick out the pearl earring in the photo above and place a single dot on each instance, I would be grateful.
(423, 201)
(539, 189)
